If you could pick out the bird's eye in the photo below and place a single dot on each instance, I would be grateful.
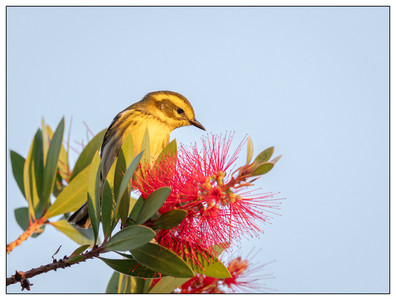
(180, 111)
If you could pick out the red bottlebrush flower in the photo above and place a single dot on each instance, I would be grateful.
(219, 207)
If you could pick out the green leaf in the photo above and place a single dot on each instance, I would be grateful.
(107, 209)
(94, 194)
(72, 196)
(249, 150)
(79, 250)
(276, 159)
(112, 286)
(129, 238)
(75, 256)
(264, 156)
(146, 158)
(127, 149)
(170, 219)
(119, 172)
(132, 285)
(210, 266)
(130, 267)
(18, 163)
(58, 186)
(52, 161)
(47, 135)
(106, 193)
(125, 180)
(72, 232)
(124, 159)
(162, 260)
(63, 162)
(22, 217)
(219, 248)
(153, 203)
(262, 169)
(167, 285)
(33, 176)
(136, 209)
(170, 149)
(88, 153)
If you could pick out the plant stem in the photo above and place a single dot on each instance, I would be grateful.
(34, 227)
(22, 277)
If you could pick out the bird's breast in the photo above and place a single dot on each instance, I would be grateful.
(158, 135)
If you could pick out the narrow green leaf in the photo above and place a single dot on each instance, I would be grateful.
(110, 179)
(135, 285)
(122, 284)
(264, 156)
(63, 162)
(162, 260)
(136, 209)
(22, 217)
(112, 286)
(130, 267)
(52, 161)
(147, 285)
(17, 164)
(132, 202)
(170, 219)
(153, 203)
(88, 153)
(79, 250)
(262, 169)
(146, 158)
(123, 203)
(75, 256)
(66, 156)
(129, 238)
(167, 285)
(72, 196)
(127, 149)
(58, 186)
(94, 194)
(47, 135)
(170, 149)
(72, 232)
(119, 172)
(210, 266)
(33, 176)
(249, 150)
(74, 259)
(107, 209)
(276, 159)
(124, 159)
(219, 248)
(125, 180)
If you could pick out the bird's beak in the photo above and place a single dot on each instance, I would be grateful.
(197, 124)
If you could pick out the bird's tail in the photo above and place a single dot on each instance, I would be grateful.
(80, 218)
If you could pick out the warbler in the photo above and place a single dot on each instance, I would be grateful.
(160, 113)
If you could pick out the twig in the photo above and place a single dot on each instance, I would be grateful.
(22, 277)
(33, 228)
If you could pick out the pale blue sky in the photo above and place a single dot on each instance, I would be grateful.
(313, 82)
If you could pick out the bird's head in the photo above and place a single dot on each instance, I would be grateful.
(171, 108)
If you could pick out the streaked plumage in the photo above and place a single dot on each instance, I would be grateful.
(160, 112)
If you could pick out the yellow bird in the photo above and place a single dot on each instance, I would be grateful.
(160, 113)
